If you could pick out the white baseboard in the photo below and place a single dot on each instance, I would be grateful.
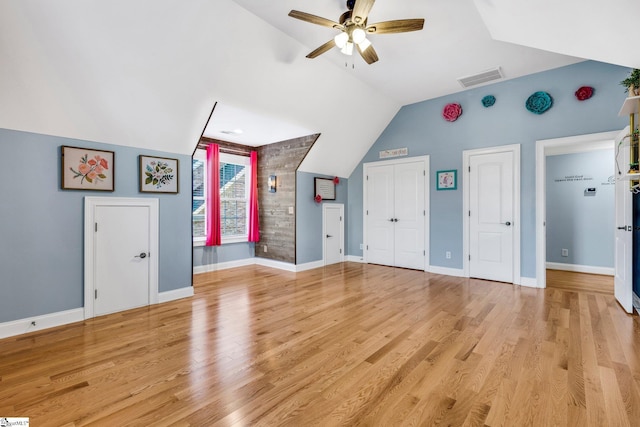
(529, 282)
(456, 272)
(354, 258)
(23, 326)
(607, 271)
(223, 265)
(309, 265)
(175, 294)
(287, 266)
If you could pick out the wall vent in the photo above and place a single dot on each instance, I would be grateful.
(480, 78)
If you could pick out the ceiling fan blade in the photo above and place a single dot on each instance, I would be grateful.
(307, 17)
(322, 49)
(369, 54)
(361, 11)
(397, 26)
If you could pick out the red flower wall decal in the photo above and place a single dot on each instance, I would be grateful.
(584, 93)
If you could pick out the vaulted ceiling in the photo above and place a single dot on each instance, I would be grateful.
(148, 73)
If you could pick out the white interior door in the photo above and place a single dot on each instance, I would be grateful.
(117, 231)
(380, 215)
(333, 230)
(491, 216)
(122, 258)
(623, 279)
(409, 215)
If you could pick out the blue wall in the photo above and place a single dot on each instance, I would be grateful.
(203, 255)
(421, 128)
(41, 226)
(582, 224)
(309, 217)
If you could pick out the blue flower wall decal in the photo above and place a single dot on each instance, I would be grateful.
(539, 102)
(488, 101)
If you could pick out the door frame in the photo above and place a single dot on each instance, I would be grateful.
(544, 147)
(427, 216)
(466, 196)
(325, 207)
(90, 204)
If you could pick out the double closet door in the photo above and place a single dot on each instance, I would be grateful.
(395, 213)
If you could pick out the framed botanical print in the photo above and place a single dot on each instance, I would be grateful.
(158, 175)
(447, 180)
(87, 169)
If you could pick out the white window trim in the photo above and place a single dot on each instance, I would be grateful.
(227, 158)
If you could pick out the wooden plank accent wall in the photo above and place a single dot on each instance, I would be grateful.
(277, 225)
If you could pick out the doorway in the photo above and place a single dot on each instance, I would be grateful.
(491, 208)
(544, 148)
(121, 254)
(333, 233)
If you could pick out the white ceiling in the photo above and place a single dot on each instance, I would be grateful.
(462, 38)
(147, 73)
(418, 65)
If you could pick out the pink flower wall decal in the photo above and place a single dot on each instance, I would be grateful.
(451, 112)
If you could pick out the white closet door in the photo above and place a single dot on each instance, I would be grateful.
(380, 214)
(409, 218)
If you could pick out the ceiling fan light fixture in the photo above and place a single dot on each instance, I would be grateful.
(363, 45)
(348, 49)
(358, 35)
(341, 40)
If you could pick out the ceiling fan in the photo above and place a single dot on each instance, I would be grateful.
(354, 29)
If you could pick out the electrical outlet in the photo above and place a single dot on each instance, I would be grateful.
(447, 255)
(264, 248)
(565, 252)
(290, 210)
(361, 246)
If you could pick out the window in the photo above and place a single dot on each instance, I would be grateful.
(235, 173)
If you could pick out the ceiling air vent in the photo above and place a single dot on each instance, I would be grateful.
(480, 78)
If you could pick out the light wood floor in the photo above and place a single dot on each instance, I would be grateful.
(572, 281)
(349, 344)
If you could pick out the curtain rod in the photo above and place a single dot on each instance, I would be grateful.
(228, 150)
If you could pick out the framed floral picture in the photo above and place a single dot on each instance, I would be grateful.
(446, 180)
(158, 175)
(87, 169)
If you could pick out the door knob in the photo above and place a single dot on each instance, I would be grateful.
(507, 223)
(624, 227)
(142, 255)
(329, 235)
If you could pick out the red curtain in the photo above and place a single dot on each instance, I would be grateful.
(213, 196)
(254, 225)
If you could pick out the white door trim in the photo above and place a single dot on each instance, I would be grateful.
(326, 206)
(90, 204)
(365, 169)
(545, 147)
(466, 156)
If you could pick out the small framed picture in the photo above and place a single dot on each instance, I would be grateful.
(447, 180)
(87, 169)
(325, 188)
(158, 175)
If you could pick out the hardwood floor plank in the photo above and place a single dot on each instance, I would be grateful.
(348, 344)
